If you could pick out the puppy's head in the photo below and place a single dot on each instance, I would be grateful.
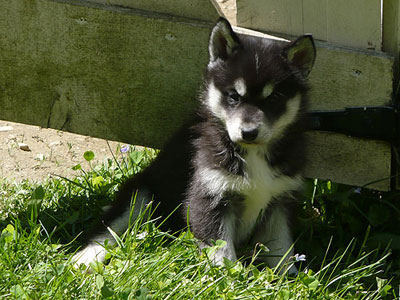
(254, 86)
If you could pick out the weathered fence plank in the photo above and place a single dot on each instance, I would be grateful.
(355, 23)
(199, 9)
(343, 77)
(98, 70)
(349, 160)
(314, 18)
(391, 32)
(283, 16)
(391, 44)
(340, 79)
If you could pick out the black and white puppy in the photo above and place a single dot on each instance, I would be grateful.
(236, 168)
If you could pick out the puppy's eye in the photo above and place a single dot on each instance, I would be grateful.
(233, 97)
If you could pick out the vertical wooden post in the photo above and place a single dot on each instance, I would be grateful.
(353, 23)
(391, 44)
(391, 33)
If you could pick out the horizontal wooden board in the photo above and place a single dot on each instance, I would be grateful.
(103, 71)
(283, 16)
(348, 160)
(391, 32)
(133, 76)
(199, 9)
(355, 23)
(344, 77)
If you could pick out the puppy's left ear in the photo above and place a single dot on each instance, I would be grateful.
(301, 53)
(223, 41)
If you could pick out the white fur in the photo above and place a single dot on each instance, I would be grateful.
(91, 253)
(234, 126)
(261, 183)
(217, 181)
(292, 110)
(95, 250)
(227, 232)
(264, 184)
(240, 86)
(213, 63)
(279, 239)
(213, 101)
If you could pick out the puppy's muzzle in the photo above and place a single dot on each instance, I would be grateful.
(249, 134)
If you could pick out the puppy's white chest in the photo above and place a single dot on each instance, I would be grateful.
(263, 185)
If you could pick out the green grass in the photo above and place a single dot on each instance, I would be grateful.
(39, 225)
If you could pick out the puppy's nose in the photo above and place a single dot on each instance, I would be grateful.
(249, 134)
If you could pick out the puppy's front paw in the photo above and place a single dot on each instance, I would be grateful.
(91, 253)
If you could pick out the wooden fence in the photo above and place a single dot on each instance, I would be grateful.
(130, 70)
(357, 45)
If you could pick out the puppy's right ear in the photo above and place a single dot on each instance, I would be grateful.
(223, 41)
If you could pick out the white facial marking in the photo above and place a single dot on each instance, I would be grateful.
(292, 110)
(234, 125)
(268, 89)
(240, 86)
(213, 100)
(235, 121)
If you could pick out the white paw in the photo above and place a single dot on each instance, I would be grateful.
(91, 253)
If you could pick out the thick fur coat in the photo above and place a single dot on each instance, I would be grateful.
(235, 169)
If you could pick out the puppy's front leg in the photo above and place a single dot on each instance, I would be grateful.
(225, 233)
(211, 225)
(274, 232)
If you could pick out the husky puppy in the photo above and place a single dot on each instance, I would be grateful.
(235, 169)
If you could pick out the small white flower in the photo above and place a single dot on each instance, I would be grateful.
(300, 257)
(142, 235)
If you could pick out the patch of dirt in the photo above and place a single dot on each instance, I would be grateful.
(34, 153)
